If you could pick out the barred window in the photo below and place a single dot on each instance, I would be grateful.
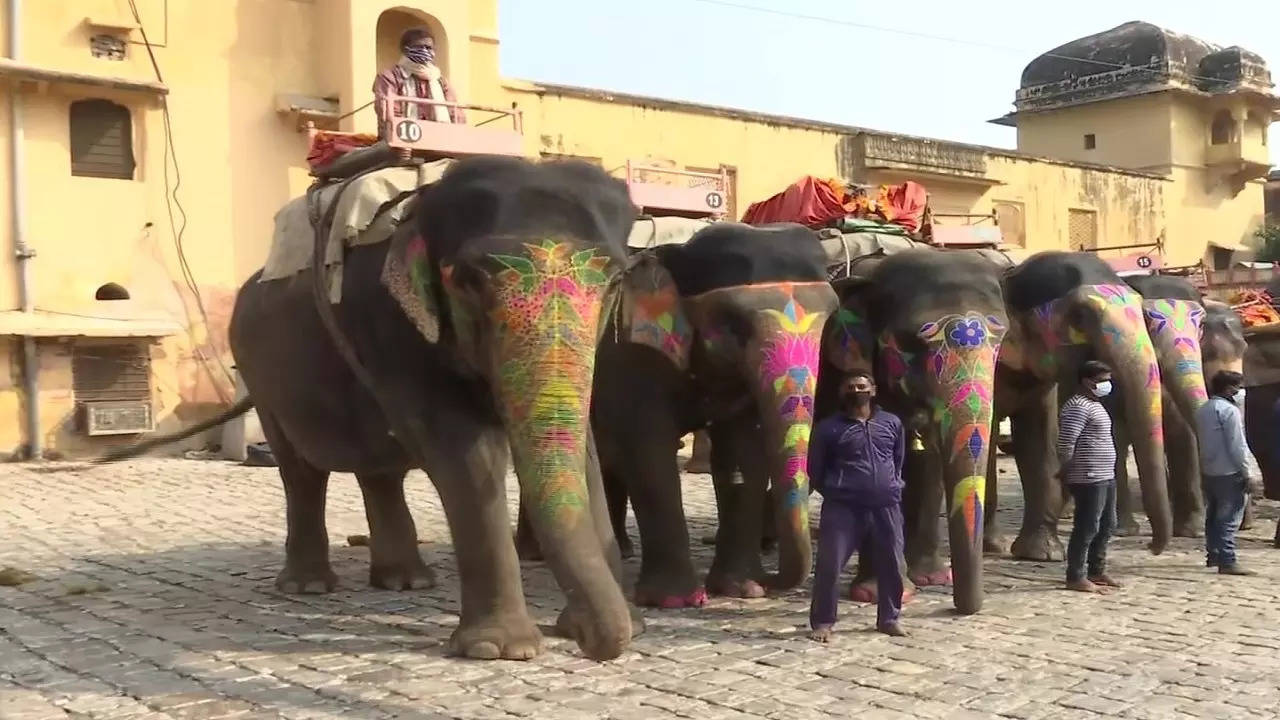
(101, 140)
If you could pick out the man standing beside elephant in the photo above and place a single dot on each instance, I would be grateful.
(1224, 469)
(1088, 457)
(855, 461)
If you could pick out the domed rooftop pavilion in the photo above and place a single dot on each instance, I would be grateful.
(1134, 59)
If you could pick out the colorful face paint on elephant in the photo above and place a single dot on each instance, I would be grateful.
(657, 321)
(897, 363)
(1175, 328)
(546, 319)
(960, 365)
(789, 373)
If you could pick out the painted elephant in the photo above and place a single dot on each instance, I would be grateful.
(932, 324)
(1262, 427)
(1194, 338)
(471, 334)
(722, 331)
(1066, 308)
(1175, 318)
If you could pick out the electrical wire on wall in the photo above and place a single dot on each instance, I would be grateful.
(178, 229)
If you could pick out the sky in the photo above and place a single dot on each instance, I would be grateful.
(935, 68)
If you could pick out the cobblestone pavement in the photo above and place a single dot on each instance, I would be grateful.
(154, 598)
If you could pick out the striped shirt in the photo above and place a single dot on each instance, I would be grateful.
(1086, 451)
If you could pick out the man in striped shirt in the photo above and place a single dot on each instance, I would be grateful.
(1087, 455)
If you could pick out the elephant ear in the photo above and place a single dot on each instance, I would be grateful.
(651, 313)
(848, 341)
(413, 280)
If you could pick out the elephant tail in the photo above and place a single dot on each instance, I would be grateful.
(136, 449)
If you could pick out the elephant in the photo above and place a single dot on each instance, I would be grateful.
(1194, 338)
(1065, 308)
(722, 332)
(1262, 378)
(470, 335)
(931, 323)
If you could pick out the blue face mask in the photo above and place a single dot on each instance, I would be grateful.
(1102, 389)
(420, 55)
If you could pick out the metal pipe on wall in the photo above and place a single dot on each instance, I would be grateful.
(23, 252)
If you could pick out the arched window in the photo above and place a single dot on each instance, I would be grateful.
(1224, 128)
(1256, 127)
(101, 140)
(391, 23)
(111, 291)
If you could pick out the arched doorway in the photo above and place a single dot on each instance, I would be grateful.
(393, 22)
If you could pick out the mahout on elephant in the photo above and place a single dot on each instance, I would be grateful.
(473, 332)
(722, 331)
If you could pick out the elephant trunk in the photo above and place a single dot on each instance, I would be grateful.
(1121, 337)
(788, 376)
(960, 366)
(546, 326)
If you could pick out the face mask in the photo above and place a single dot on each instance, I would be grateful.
(420, 55)
(1238, 397)
(855, 399)
(1102, 389)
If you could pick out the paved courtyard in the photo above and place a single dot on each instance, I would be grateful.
(153, 597)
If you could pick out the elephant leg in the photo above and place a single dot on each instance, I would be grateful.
(700, 457)
(1184, 475)
(865, 586)
(1125, 522)
(736, 456)
(527, 548)
(468, 466)
(616, 496)
(306, 546)
(923, 501)
(1035, 432)
(769, 523)
(993, 542)
(394, 561)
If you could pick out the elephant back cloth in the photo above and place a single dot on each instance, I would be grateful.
(650, 232)
(863, 239)
(369, 210)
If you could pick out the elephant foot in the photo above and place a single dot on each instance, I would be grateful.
(735, 587)
(1128, 527)
(1190, 528)
(993, 546)
(313, 579)
(595, 637)
(1040, 545)
(867, 591)
(670, 601)
(412, 575)
(931, 577)
(506, 637)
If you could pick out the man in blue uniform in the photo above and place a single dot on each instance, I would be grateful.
(855, 461)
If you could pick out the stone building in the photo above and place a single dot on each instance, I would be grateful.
(114, 319)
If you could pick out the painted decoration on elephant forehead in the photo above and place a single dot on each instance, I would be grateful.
(545, 318)
(789, 373)
(1175, 328)
(960, 367)
(658, 321)
(1050, 324)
